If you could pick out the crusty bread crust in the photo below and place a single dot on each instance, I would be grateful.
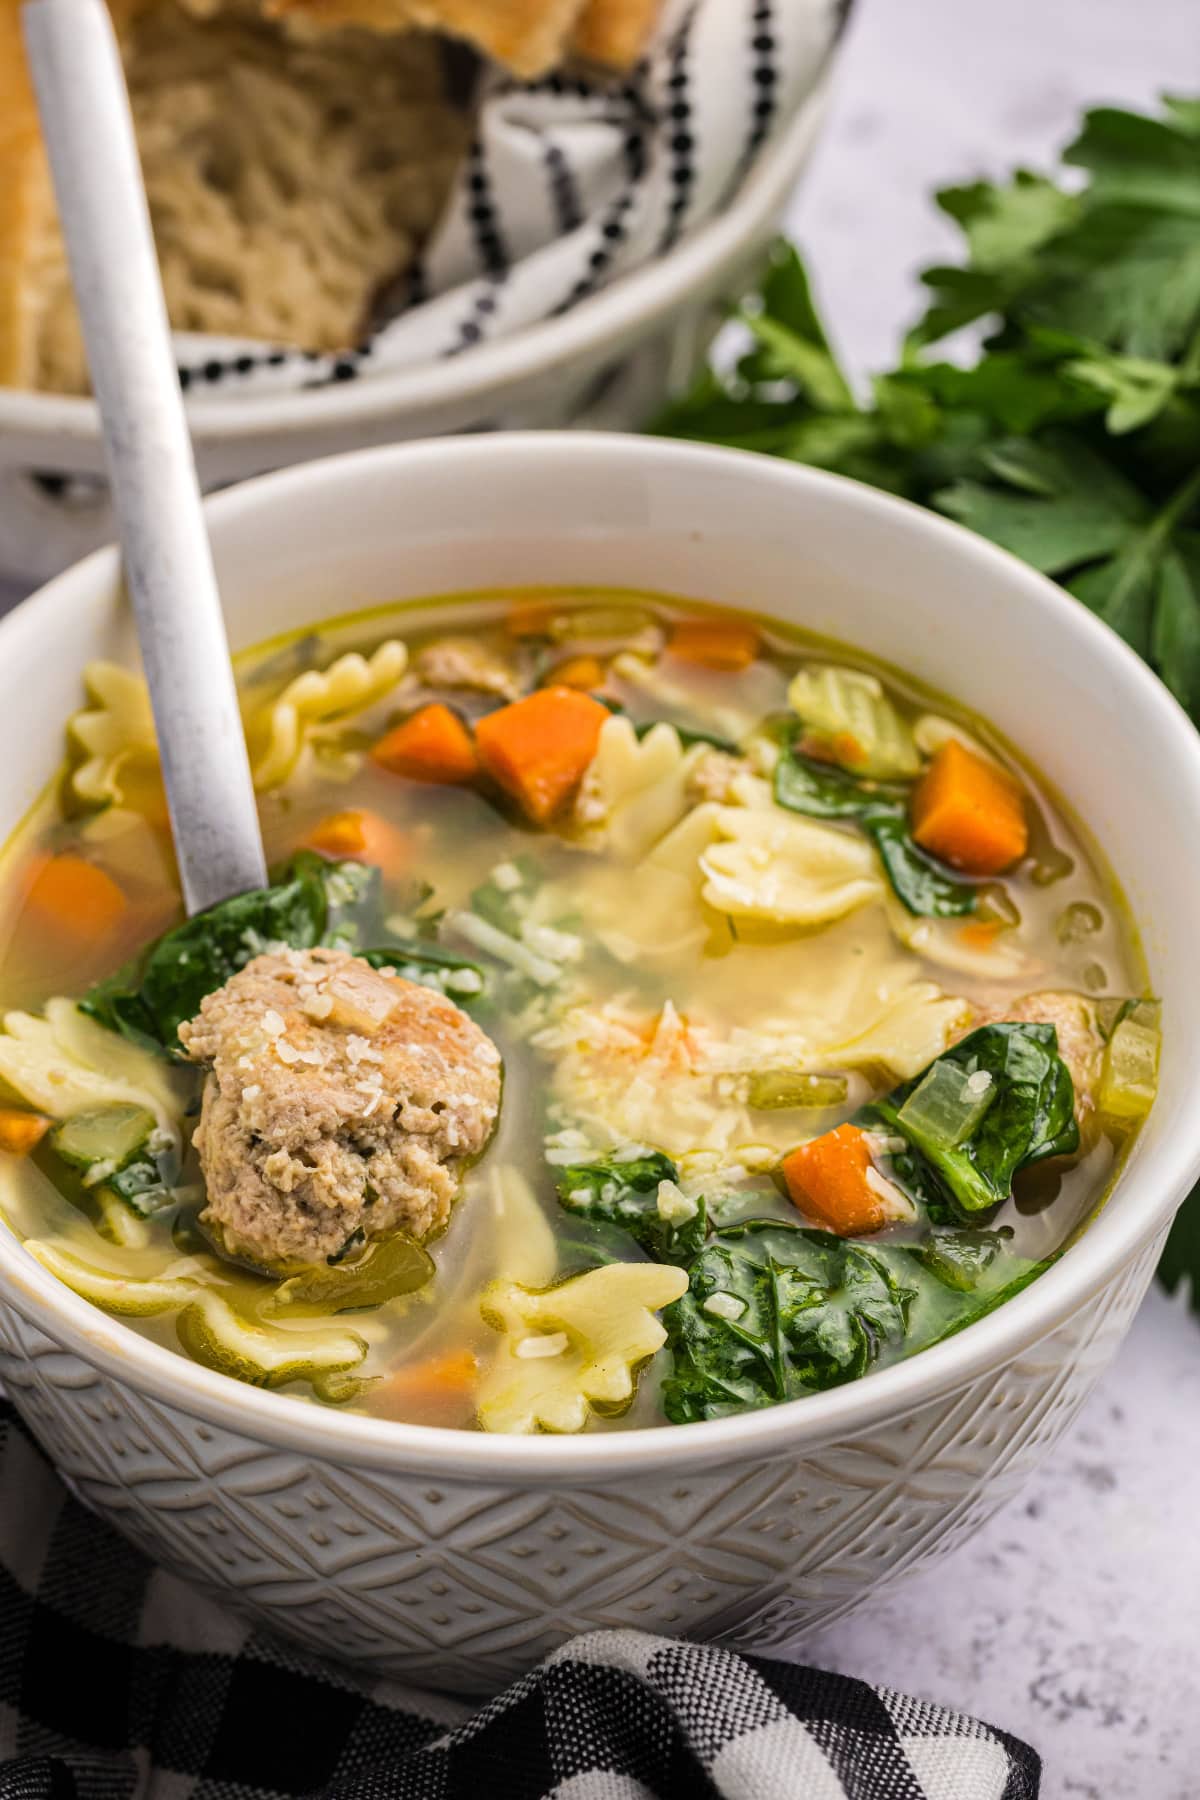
(26, 205)
(529, 36)
(615, 31)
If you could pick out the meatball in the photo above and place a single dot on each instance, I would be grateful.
(340, 1100)
(462, 663)
(714, 776)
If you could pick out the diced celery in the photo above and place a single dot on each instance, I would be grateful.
(110, 1136)
(853, 716)
(773, 1088)
(1130, 1076)
(947, 1106)
(615, 623)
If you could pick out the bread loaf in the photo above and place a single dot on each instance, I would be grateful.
(293, 162)
(288, 181)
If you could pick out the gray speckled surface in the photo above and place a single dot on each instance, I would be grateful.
(1074, 1618)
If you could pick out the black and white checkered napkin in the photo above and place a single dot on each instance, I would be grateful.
(569, 184)
(119, 1683)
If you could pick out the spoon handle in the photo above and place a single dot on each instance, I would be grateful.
(86, 122)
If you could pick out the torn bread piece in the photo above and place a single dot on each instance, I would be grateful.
(290, 182)
(529, 36)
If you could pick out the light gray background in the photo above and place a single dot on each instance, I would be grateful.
(1074, 1619)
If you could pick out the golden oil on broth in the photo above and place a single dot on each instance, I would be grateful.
(652, 966)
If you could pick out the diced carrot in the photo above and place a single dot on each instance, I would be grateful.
(20, 1131)
(969, 812)
(431, 745)
(584, 672)
(530, 618)
(73, 899)
(436, 1384)
(980, 934)
(827, 1180)
(539, 747)
(726, 644)
(842, 748)
(361, 836)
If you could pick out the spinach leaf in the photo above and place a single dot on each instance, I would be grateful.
(919, 882)
(823, 791)
(625, 1193)
(799, 1311)
(312, 902)
(961, 1258)
(775, 1311)
(1032, 1116)
(988, 1302)
(689, 735)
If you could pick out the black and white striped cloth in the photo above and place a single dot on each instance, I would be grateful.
(570, 184)
(119, 1683)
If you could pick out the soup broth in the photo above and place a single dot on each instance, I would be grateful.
(822, 1026)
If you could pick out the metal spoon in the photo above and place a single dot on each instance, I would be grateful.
(86, 122)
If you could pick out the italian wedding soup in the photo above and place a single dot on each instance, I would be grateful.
(655, 1014)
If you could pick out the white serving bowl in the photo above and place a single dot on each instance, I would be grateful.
(609, 363)
(459, 1559)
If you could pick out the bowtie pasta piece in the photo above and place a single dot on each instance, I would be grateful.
(574, 1347)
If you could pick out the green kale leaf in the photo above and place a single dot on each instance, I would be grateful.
(623, 1191)
(773, 1312)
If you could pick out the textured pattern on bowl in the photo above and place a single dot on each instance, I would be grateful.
(465, 1584)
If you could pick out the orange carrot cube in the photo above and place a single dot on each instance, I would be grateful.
(585, 672)
(969, 812)
(725, 644)
(538, 748)
(360, 836)
(431, 745)
(20, 1131)
(827, 1180)
(74, 900)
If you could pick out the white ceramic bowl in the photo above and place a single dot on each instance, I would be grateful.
(609, 363)
(457, 1558)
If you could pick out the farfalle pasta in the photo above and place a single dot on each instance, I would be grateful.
(652, 1014)
(114, 735)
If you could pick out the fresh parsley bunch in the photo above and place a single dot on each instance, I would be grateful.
(1072, 440)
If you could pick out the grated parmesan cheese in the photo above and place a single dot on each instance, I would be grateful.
(674, 1205)
(725, 1306)
(546, 1344)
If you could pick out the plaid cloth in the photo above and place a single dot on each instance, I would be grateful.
(117, 1681)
